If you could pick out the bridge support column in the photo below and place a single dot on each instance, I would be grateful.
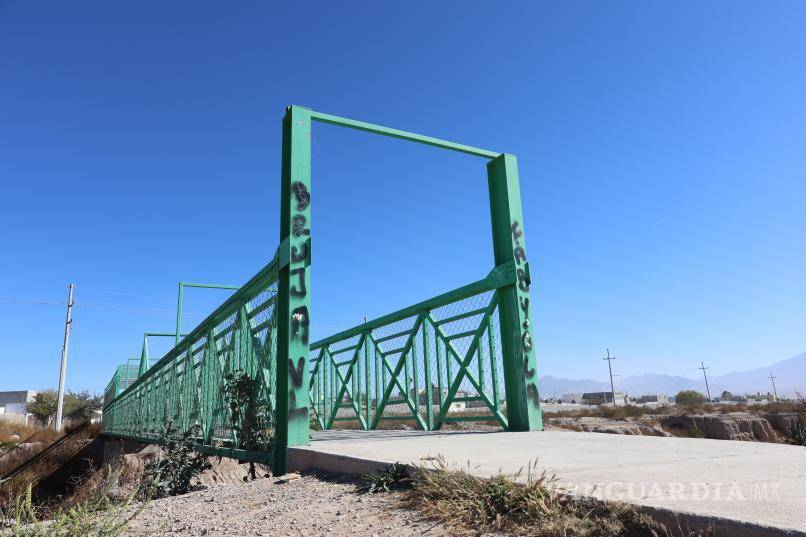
(293, 326)
(514, 307)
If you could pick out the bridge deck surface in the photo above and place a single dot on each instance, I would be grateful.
(757, 483)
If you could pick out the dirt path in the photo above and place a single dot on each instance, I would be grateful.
(306, 506)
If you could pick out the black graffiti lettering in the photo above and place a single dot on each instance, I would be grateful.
(301, 193)
(299, 323)
(298, 413)
(526, 340)
(531, 393)
(298, 225)
(529, 373)
(296, 372)
(302, 255)
(516, 233)
(301, 290)
(523, 281)
(293, 411)
(520, 254)
(525, 306)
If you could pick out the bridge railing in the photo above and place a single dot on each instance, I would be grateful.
(435, 362)
(186, 386)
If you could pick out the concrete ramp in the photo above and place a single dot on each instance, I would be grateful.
(743, 488)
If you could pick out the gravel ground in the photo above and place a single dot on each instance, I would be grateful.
(310, 505)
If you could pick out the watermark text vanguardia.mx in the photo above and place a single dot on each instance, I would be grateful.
(676, 490)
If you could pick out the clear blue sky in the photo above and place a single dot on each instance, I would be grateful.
(662, 151)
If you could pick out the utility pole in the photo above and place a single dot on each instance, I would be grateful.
(609, 368)
(705, 376)
(774, 391)
(63, 370)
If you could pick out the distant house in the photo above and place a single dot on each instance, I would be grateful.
(601, 398)
(659, 399)
(574, 398)
(13, 405)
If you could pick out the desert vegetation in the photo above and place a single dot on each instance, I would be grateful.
(780, 422)
(510, 504)
(103, 501)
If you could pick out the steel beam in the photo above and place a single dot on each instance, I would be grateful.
(514, 305)
(293, 328)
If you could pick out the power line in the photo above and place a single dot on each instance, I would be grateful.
(15, 302)
(63, 368)
(774, 391)
(705, 376)
(609, 368)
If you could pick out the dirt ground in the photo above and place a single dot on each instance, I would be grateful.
(309, 505)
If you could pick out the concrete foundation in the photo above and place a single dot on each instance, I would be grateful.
(741, 488)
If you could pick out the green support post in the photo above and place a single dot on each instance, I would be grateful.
(293, 329)
(429, 403)
(367, 395)
(509, 243)
(143, 357)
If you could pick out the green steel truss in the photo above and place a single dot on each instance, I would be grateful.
(431, 363)
(185, 386)
(464, 355)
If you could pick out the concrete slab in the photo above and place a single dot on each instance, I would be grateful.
(748, 488)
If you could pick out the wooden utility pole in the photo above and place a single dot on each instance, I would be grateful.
(707, 389)
(774, 391)
(609, 368)
(63, 370)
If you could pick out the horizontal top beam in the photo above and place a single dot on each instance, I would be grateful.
(403, 135)
(161, 334)
(210, 285)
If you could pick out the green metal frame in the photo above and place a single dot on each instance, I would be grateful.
(509, 245)
(180, 298)
(145, 361)
(420, 358)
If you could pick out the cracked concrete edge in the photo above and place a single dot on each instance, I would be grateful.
(305, 460)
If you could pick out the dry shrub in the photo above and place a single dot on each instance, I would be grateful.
(47, 463)
(9, 428)
(622, 412)
(96, 507)
(610, 412)
(471, 505)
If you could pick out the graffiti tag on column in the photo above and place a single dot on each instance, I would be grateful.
(295, 412)
(298, 228)
(299, 255)
(299, 324)
(301, 194)
(519, 254)
(300, 319)
(296, 371)
(300, 291)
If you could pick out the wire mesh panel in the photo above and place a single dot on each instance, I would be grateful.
(430, 364)
(188, 386)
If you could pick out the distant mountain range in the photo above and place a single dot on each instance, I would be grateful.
(791, 378)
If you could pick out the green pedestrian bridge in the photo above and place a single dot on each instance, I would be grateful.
(248, 383)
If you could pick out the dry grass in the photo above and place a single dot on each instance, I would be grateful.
(611, 412)
(46, 464)
(13, 456)
(98, 507)
(25, 433)
(471, 505)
